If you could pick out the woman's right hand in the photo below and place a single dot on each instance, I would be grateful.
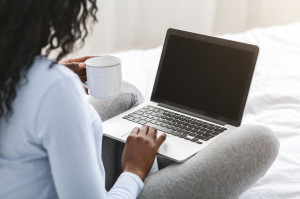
(77, 65)
(140, 150)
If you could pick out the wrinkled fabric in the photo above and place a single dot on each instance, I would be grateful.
(274, 99)
(51, 146)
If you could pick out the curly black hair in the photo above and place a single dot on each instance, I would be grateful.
(28, 27)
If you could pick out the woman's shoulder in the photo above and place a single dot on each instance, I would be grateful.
(45, 72)
(43, 78)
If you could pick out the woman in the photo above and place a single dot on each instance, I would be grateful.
(51, 138)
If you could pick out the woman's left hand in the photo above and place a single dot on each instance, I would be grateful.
(77, 65)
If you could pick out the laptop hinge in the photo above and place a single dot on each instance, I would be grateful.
(192, 114)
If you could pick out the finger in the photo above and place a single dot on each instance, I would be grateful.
(152, 133)
(83, 78)
(158, 141)
(135, 131)
(81, 71)
(73, 66)
(81, 65)
(79, 59)
(64, 62)
(144, 130)
(86, 90)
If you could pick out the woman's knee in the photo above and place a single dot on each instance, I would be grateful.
(128, 98)
(255, 149)
(136, 96)
(260, 138)
(223, 169)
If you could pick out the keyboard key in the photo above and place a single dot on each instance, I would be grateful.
(199, 142)
(136, 120)
(138, 112)
(182, 135)
(191, 134)
(152, 121)
(142, 122)
(175, 133)
(147, 119)
(173, 128)
(163, 129)
(204, 138)
(130, 118)
(174, 123)
(135, 115)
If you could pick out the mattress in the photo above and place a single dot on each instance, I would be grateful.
(274, 99)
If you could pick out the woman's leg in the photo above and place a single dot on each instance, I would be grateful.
(108, 108)
(224, 169)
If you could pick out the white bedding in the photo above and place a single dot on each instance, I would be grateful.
(274, 100)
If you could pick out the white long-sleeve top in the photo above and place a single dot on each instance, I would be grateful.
(51, 146)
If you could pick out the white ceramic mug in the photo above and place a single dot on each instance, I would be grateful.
(104, 76)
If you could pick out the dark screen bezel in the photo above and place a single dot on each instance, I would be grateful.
(214, 40)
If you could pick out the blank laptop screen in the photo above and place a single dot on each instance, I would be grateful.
(205, 78)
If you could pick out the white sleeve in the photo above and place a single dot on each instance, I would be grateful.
(72, 139)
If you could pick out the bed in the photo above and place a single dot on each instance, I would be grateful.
(274, 99)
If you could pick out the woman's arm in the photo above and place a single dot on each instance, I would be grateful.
(73, 140)
(65, 128)
(77, 65)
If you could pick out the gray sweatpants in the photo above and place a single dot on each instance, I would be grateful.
(224, 169)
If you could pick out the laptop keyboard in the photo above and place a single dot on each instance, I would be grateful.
(175, 124)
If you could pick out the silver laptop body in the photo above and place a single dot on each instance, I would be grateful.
(199, 94)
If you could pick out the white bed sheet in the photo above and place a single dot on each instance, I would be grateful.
(274, 100)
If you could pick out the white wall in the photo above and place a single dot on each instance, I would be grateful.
(239, 15)
(128, 24)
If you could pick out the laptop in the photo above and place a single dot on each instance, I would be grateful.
(199, 94)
